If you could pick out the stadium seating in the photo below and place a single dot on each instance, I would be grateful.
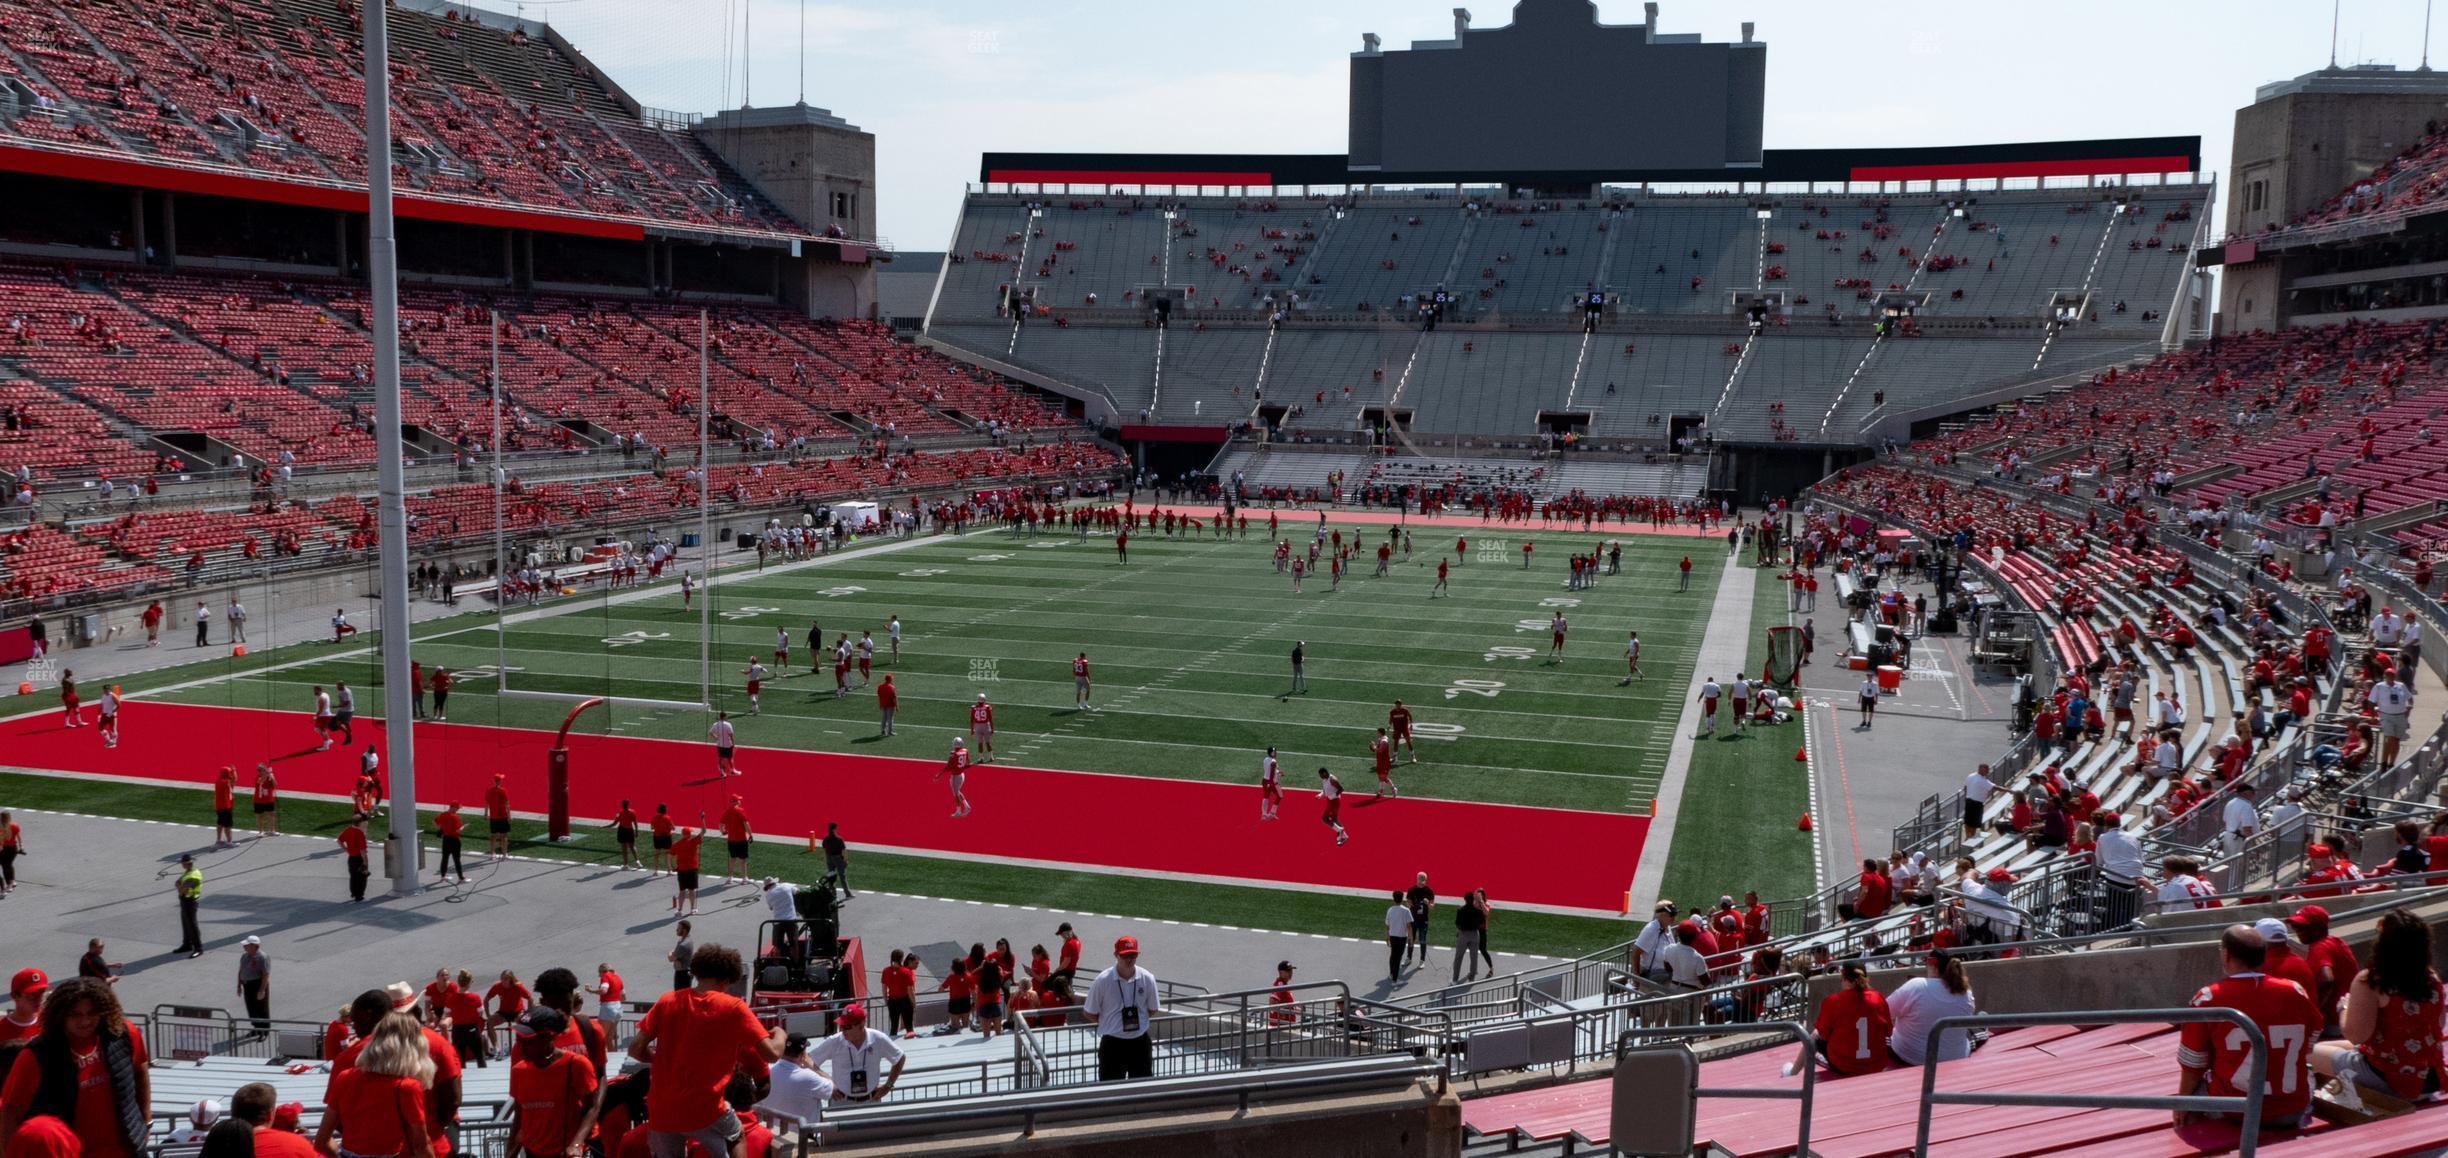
(272, 86)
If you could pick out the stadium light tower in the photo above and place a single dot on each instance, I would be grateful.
(382, 268)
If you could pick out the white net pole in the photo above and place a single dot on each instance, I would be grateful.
(705, 520)
(501, 605)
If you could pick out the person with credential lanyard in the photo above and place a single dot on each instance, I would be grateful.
(863, 1065)
(1122, 999)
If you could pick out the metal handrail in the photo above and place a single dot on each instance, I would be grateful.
(1803, 1064)
(2256, 1073)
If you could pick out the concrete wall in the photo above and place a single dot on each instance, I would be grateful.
(799, 157)
(2305, 146)
(1406, 1124)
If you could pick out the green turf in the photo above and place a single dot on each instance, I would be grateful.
(1737, 828)
(1118, 895)
(1188, 644)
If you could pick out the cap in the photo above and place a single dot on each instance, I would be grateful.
(1285, 967)
(252, 940)
(1126, 946)
(285, 1115)
(2107, 817)
(205, 1113)
(2272, 930)
(2001, 876)
(540, 1021)
(1725, 902)
(2310, 915)
(28, 982)
(401, 995)
(852, 1015)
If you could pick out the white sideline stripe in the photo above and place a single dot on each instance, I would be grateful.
(1723, 649)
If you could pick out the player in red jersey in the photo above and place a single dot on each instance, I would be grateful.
(1383, 750)
(1853, 1026)
(1080, 689)
(1398, 724)
(1330, 790)
(1461, 548)
(2213, 1055)
(1121, 547)
(956, 766)
(1270, 786)
(981, 727)
(1385, 555)
(1441, 585)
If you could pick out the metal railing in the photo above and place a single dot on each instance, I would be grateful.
(2256, 1075)
(1803, 1065)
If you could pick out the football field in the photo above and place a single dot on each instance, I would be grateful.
(1536, 776)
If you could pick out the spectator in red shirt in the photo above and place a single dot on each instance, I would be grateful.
(552, 1090)
(694, 1039)
(373, 1106)
(1851, 1033)
(1871, 895)
(2211, 1056)
(900, 984)
(2332, 961)
(497, 804)
(467, 1020)
(86, 1046)
(353, 842)
(449, 826)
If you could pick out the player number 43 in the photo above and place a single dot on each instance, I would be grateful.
(1487, 688)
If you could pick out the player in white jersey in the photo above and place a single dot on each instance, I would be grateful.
(1270, 786)
(1555, 626)
(866, 657)
(781, 651)
(688, 590)
(322, 718)
(109, 720)
(1631, 660)
(892, 631)
(724, 739)
(756, 686)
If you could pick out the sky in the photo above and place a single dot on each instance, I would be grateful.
(941, 81)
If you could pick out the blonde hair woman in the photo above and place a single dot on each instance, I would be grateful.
(377, 1108)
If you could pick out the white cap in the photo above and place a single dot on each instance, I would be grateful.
(205, 1113)
(252, 940)
(981, 697)
(2272, 930)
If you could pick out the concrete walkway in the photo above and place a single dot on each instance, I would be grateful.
(85, 876)
(1724, 649)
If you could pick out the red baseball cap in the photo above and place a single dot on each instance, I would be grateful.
(1126, 946)
(2310, 915)
(853, 1015)
(28, 981)
(285, 1116)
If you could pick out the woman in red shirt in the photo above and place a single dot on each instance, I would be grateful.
(467, 1020)
(2392, 1023)
(377, 1107)
(12, 842)
(1853, 1026)
(87, 1046)
(449, 826)
(957, 985)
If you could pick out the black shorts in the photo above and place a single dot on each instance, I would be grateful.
(497, 827)
(739, 849)
(264, 806)
(957, 1006)
(626, 835)
(688, 878)
(225, 816)
(722, 752)
(662, 842)
(343, 719)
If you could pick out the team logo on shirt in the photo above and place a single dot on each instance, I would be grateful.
(982, 671)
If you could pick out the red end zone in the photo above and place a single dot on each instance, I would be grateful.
(1536, 856)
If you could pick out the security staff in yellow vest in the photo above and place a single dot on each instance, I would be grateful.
(190, 890)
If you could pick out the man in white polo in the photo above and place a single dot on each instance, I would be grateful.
(1978, 788)
(2393, 700)
(2241, 817)
(863, 1065)
(1122, 999)
(800, 1090)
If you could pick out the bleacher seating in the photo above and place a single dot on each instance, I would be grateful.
(271, 86)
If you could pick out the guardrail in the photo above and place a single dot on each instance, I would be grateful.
(1804, 1065)
(2256, 1075)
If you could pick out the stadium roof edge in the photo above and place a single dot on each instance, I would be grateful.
(2103, 157)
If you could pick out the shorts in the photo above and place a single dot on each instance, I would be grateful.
(2393, 725)
(107, 719)
(626, 836)
(264, 806)
(1334, 808)
(1559, 639)
(662, 842)
(991, 1011)
(756, 686)
(722, 751)
(739, 849)
(957, 1007)
(497, 827)
(688, 878)
(716, 1137)
(1741, 706)
(225, 816)
(342, 719)
(981, 731)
